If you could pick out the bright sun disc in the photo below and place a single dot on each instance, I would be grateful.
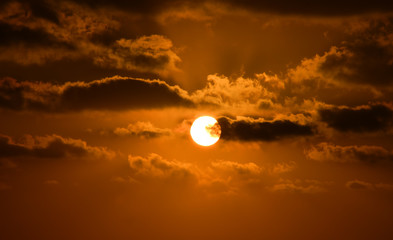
(205, 131)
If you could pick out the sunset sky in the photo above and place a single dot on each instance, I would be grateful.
(97, 98)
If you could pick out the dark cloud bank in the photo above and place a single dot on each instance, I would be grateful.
(361, 119)
(109, 94)
(48, 147)
(246, 130)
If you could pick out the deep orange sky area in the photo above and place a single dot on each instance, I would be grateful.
(97, 99)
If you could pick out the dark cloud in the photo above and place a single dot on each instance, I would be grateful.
(70, 30)
(323, 8)
(141, 7)
(363, 62)
(39, 8)
(14, 35)
(255, 130)
(355, 72)
(44, 10)
(316, 8)
(108, 94)
(120, 94)
(361, 119)
(328, 152)
(48, 147)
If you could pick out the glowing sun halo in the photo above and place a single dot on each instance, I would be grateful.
(205, 131)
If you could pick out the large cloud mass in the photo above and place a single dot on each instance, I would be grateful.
(360, 119)
(114, 93)
(51, 146)
(259, 130)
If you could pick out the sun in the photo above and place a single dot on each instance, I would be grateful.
(205, 131)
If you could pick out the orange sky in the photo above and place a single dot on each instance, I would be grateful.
(97, 99)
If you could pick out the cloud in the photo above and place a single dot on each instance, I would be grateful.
(70, 31)
(362, 185)
(359, 119)
(142, 129)
(116, 93)
(313, 8)
(261, 130)
(327, 152)
(154, 167)
(237, 169)
(147, 53)
(220, 90)
(17, 35)
(299, 186)
(320, 8)
(353, 72)
(39, 8)
(283, 167)
(358, 185)
(50, 146)
(220, 177)
(365, 61)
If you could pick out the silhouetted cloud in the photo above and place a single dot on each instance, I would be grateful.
(51, 146)
(365, 61)
(116, 93)
(313, 8)
(328, 152)
(147, 53)
(39, 8)
(67, 30)
(354, 72)
(260, 130)
(16, 35)
(360, 119)
(304, 7)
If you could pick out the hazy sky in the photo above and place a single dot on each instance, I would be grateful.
(97, 99)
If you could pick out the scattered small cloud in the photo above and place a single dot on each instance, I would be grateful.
(50, 146)
(328, 152)
(299, 186)
(143, 130)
